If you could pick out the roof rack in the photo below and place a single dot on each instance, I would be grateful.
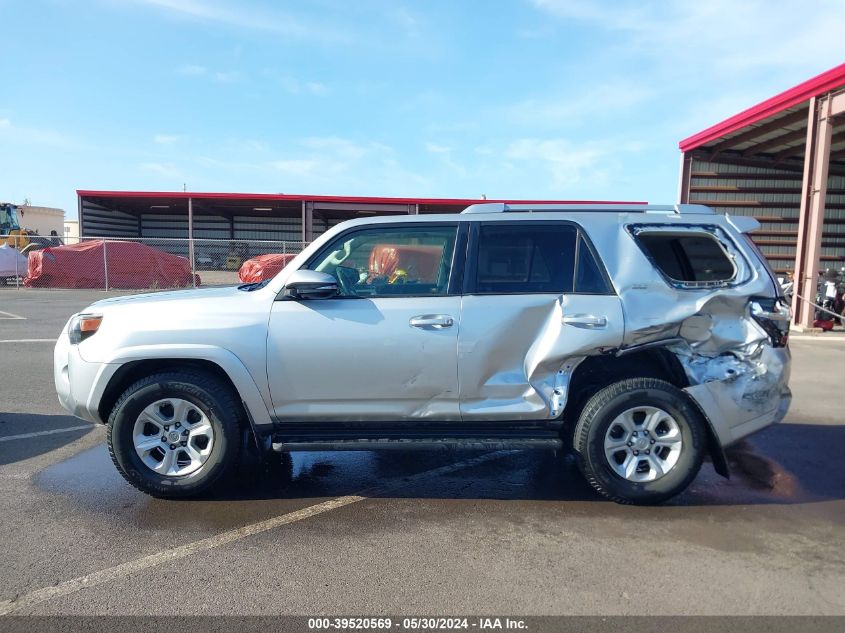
(504, 207)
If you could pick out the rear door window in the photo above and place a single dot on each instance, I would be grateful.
(525, 258)
(534, 258)
(589, 278)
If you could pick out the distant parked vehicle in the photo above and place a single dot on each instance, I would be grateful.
(13, 264)
(263, 267)
(116, 264)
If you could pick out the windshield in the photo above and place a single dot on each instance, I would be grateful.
(8, 218)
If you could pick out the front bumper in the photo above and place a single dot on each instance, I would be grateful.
(79, 384)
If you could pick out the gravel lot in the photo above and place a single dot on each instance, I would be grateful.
(411, 533)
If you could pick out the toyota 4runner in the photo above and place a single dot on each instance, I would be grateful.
(642, 338)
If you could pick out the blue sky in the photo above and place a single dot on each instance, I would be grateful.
(509, 98)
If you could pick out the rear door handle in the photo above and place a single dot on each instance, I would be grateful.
(432, 321)
(586, 321)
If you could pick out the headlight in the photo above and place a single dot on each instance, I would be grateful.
(82, 326)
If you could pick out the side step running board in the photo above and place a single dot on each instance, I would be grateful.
(446, 443)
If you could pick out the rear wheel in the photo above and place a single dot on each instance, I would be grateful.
(175, 434)
(640, 441)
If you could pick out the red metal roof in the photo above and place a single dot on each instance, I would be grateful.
(828, 80)
(319, 198)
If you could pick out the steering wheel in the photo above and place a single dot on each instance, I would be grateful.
(346, 280)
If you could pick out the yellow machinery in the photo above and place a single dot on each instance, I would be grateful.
(11, 232)
(237, 255)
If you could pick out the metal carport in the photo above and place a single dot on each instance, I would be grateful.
(783, 162)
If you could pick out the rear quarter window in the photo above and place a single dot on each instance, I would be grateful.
(688, 257)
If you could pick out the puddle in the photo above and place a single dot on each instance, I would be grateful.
(541, 484)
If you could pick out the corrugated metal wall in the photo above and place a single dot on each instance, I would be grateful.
(264, 228)
(98, 221)
(773, 197)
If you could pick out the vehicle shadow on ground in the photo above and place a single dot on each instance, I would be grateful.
(19, 449)
(786, 464)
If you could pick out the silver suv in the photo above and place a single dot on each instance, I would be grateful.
(642, 338)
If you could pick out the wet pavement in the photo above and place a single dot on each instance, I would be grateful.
(518, 533)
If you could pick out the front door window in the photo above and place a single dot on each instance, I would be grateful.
(390, 261)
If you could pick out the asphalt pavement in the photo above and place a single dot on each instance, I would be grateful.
(507, 532)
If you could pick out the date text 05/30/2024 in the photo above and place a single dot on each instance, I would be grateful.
(417, 623)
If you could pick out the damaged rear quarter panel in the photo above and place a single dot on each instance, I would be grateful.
(736, 377)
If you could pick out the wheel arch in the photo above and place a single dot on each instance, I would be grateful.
(217, 362)
(596, 372)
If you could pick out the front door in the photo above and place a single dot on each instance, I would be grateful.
(385, 348)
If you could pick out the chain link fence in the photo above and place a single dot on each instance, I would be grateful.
(140, 263)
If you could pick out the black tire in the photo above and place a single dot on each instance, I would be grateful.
(605, 406)
(211, 396)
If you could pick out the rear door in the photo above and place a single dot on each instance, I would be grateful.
(536, 299)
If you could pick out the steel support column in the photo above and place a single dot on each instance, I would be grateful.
(811, 215)
(307, 221)
(684, 181)
(191, 240)
(79, 217)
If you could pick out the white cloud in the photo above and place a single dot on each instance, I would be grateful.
(192, 69)
(197, 70)
(317, 88)
(298, 167)
(720, 34)
(342, 165)
(554, 109)
(566, 162)
(445, 155)
(227, 76)
(166, 139)
(295, 86)
(712, 58)
(434, 148)
(240, 16)
(21, 136)
(162, 169)
(344, 149)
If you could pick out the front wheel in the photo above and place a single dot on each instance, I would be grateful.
(174, 434)
(640, 441)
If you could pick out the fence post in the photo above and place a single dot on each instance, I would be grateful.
(105, 264)
(191, 241)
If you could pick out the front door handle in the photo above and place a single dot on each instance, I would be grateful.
(432, 321)
(586, 321)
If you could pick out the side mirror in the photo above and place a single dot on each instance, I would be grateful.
(310, 284)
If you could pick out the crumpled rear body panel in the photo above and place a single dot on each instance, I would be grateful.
(517, 356)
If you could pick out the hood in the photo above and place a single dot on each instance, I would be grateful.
(173, 295)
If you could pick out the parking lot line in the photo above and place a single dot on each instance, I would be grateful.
(28, 340)
(139, 564)
(9, 315)
(818, 338)
(23, 436)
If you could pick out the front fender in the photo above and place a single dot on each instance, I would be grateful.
(256, 406)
